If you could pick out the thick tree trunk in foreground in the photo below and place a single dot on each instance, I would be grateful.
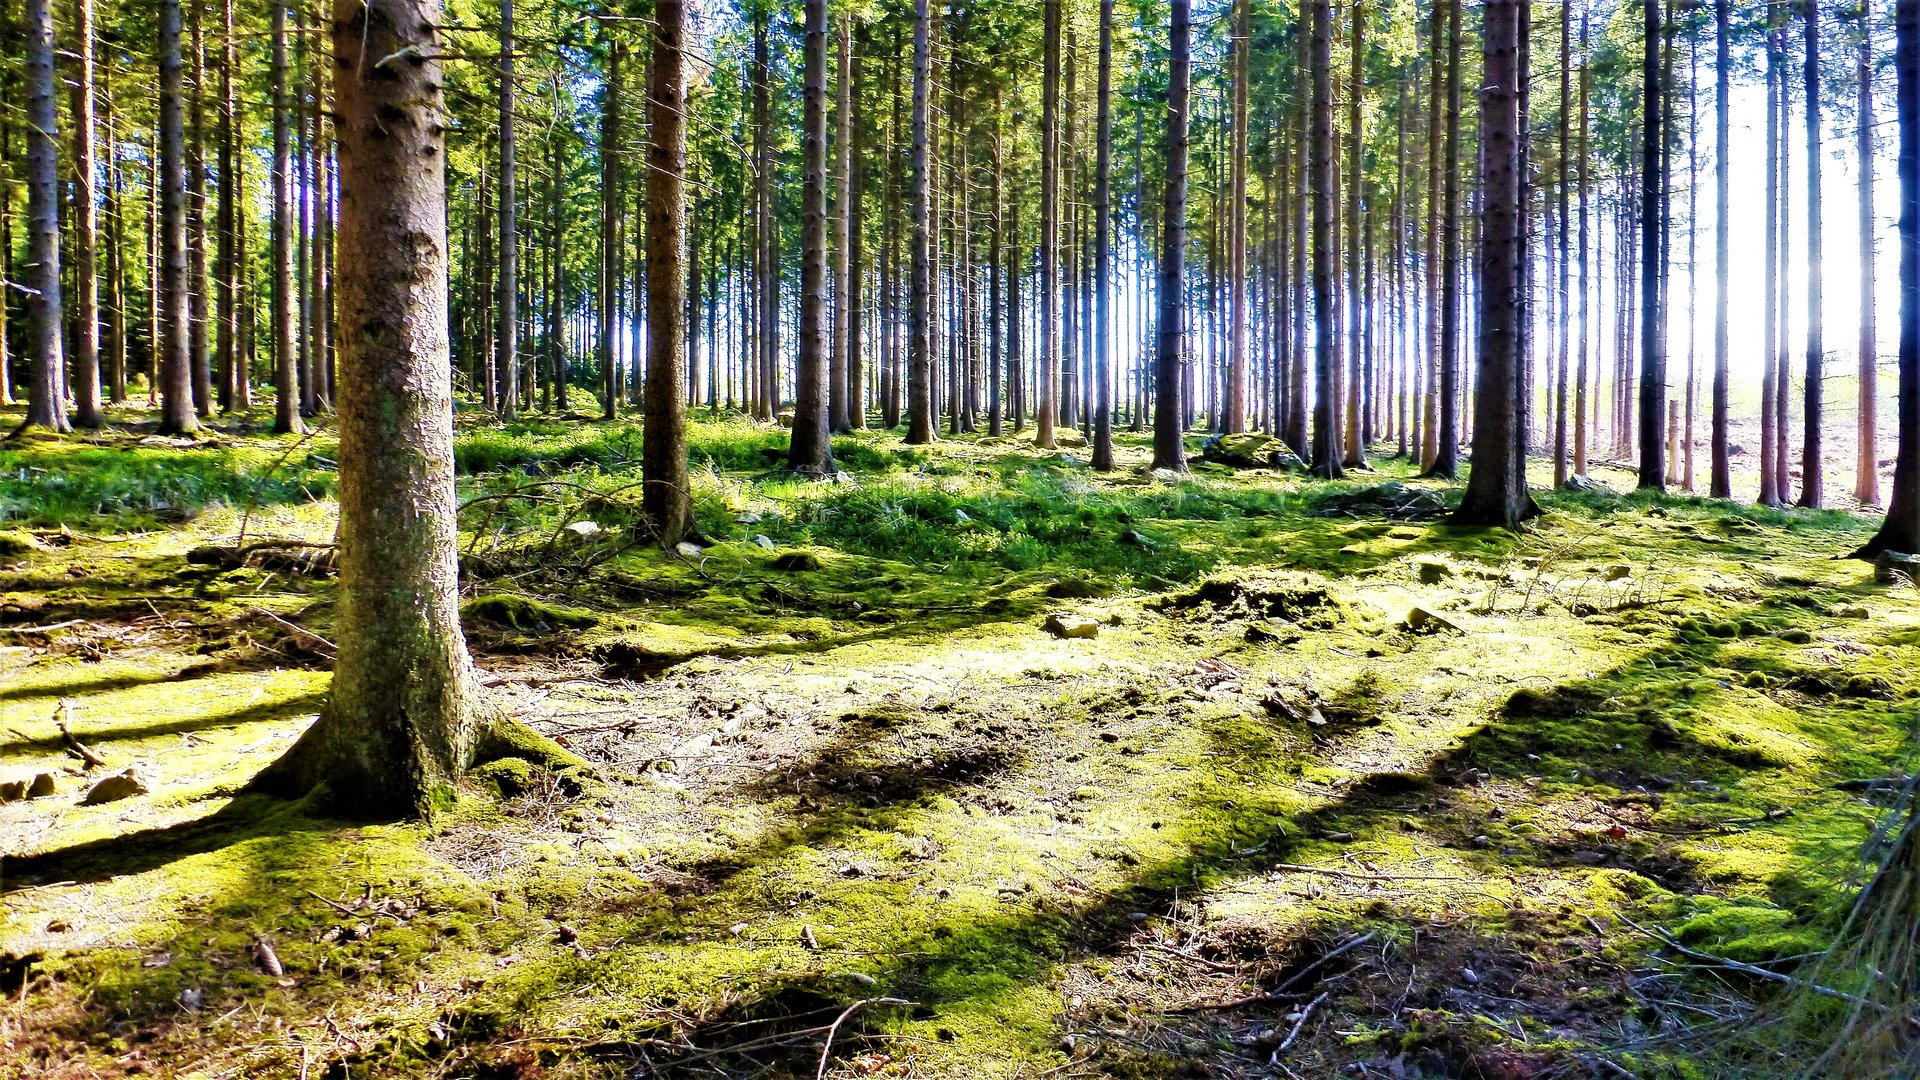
(1653, 346)
(45, 408)
(668, 506)
(838, 406)
(176, 387)
(1901, 529)
(1049, 367)
(1169, 447)
(1325, 459)
(1497, 484)
(406, 715)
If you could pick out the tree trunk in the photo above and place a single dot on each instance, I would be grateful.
(1447, 424)
(176, 389)
(1770, 464)
(920, 360)
(286, 415)
(507, 312)
(1901, 529)
(1720, 480)
(1497, 484)
(767, 265)
(198, 348)
(854, 278)
(1564, 148)
(86, 338)
(1325, 458)
(229, 363)
(1581, 429)
(1811, 466)
(1048, 374)
(1103, 231)
(1354, 452)
(1653, 346)
(842, 179)
(406, 715)
(45, 406)
(665, 498)
(609, 232)
(809, 452)
(1169, 444)
(1866, 479)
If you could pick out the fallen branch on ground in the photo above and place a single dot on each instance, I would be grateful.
(74, 745)
(1748, 969)
(298, 631)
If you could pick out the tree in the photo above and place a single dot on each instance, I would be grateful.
(45, 405)
(1234, 419)
(1811, 466)
(1653, 345)
(1169, 414)
(86, 336)
(176, 388)
(406, 715)
(1866, 478)
(666, 499)
(838, 406)
(610, 184)
(1103, 240)
(1900, 531)
(1325, 458)
(920, 419)
(506, 309)
(1497, 484)
(1446, 453)
(286, 402)
(810, 452)
(1049, 374)
(1720, 482)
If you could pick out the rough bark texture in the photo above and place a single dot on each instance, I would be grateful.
(1653, 346)
(176, 388)
(1234, 419)
(1720, 481)
(609, 232)
(1901, 529)
(1811, 465)
(46, 358)
(920, 419)
(286, 404)
(507, 307)
(1049, 374)
(838, 406)
(1169, 449)
(1866, 481)
(405, 714)
(86, 285)
(1497, 484)
(1446, 451)
(668, 505)
(1103, 238)
(810, 452)
(1325, 458)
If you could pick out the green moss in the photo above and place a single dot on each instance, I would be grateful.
(1748, 932)
(516, 612)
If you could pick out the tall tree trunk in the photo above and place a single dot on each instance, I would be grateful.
(1581, 427)
(610, 185)
(837, 405)
(1770, 422)
(1720, 481)
(1354, 453)
(1811, 466)
(853, 279)
(665, 498)
(1169, 444)
(406, 714)
(45, 406)
(507, 351)
(1103, 235)
(1497, 484)
(286, 416)
(920, 359)
(810, 453)
(767, 266)
(1653, 346)
(231, 371)
(1564, 149)
(198, 348)
(1234, 418)
(176, 389)
(1325, 459)
(1866, 473)
(1049, 373)
(1446, 452)
(1900, 531)
(86, 283)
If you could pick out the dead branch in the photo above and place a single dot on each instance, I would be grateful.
(74, 745)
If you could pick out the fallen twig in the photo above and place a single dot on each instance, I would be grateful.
(297, 630)
(47, 629)
(78, 748)
(1749, 969)
(834, 1028)
(1294, 1035)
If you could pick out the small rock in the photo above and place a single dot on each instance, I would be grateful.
(1469, 976)
(59, 926)
(1589, 858)
(41, 786)
(1617, 571)
(124, 784)
(1433, 573)
(1066, 625)
(762, 540)
(583, 530)
(13, 791)
(688, 550)
(192, 999)
(747, 519)
(1420, 620)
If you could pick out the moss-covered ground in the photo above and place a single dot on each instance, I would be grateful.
(855, 813)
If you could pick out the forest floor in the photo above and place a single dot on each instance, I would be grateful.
(1335, 789)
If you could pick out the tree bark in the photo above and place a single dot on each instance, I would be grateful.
(810, 453)
(610, 184)
(1653, 346)
(920, 360)
(1325, 458)
(1049, 373)
(1169, 444)
(666, 498)
(1446, 453)
(1103, 233)
(286, 415)
(1720, 479)
(1811, 466)
(1900, 531)
(45, 406)
(842, 179)
(506, 307)
(176, 389)
(1866, 480)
